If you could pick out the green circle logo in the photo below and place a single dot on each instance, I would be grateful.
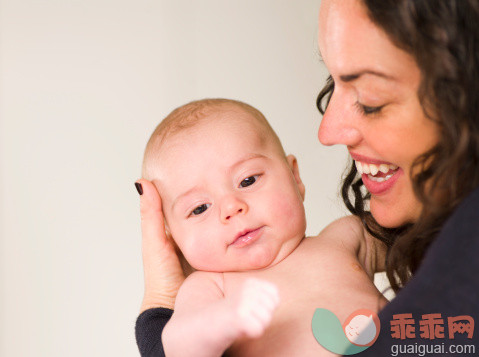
(358, 333)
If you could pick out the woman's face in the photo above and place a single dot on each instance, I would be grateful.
(374, 110)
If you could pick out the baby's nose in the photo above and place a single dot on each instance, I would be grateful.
(231, 207)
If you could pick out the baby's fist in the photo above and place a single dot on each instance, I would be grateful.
(254, 306)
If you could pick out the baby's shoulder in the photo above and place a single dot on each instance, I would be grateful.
(200, 281)
(348, 234)
(344, 229)
(348, 224)
(197, 289)
(204, 278)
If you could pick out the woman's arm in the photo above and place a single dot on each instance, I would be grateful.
(162, 273)
(148, 330)
(162, 269)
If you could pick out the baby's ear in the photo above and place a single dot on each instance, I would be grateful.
(293, 164)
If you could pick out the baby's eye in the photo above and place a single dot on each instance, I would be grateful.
(200, 209)
(249, 181)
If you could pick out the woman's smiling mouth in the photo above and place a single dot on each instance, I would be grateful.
(378, 176)
(378, 173)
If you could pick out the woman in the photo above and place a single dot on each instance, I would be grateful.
(402, 98)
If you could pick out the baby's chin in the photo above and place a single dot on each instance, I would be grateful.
(263, 259)
(248, 263)
(259, 256)
(266, 258)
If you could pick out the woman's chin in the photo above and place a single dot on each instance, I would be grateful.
(392, 216)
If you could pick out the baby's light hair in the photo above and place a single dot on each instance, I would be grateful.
(189, 115)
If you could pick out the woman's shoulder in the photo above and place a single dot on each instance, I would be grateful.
(448, 274)
(445, 284)
(457, 244)
(470, 203)
(464, 221)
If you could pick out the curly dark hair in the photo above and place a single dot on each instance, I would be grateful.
(443, 38)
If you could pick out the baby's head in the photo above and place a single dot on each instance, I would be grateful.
(232, 200)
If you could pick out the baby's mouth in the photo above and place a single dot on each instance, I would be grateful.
(247, 237)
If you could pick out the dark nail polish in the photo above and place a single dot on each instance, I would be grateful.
(139, 188)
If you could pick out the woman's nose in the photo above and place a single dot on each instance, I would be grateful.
(231, 207)
(340, 124)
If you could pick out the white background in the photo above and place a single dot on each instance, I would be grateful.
(82, 85)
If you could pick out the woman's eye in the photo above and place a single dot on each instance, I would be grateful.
(249, 181)
(366, 110)
(200, 209)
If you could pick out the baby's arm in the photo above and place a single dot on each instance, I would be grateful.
(357, 256)
(206, 322)
(348, 232)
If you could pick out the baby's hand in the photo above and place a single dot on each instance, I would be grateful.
(253, 306)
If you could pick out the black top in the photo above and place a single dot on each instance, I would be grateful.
(447, 283)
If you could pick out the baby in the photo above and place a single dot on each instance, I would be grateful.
(233, 203)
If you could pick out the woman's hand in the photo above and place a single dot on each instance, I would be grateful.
(162, 269)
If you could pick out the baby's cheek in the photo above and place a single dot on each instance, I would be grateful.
(280, 204)
(191, 251)
(201, 251)
(289, 208)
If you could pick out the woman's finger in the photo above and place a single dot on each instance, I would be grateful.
(162, 268)
(152, 224)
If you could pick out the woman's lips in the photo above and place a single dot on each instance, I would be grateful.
(376, 187)
(247, 237)
(378, 176)
(366, 159)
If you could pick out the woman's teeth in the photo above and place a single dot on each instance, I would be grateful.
(372, 170)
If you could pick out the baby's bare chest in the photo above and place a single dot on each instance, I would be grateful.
(306, 281)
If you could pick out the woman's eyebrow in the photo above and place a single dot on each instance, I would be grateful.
(354, 76)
